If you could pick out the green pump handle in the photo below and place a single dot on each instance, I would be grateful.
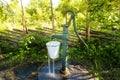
(74, 25)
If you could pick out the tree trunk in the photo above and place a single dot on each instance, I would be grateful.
(23, 19)
(87, 24)
(52, 16)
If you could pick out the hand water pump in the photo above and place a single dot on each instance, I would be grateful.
(64, 38)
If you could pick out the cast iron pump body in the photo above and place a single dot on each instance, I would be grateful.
(64, 38)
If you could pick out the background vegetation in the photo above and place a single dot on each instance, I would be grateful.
(100, 15)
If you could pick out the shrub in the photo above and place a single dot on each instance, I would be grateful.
(103, 56)
(32, 48)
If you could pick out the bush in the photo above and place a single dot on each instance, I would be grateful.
(103, 56)
(32, 48)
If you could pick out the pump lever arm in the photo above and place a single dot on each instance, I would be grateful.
(74, 25)
(71, 18)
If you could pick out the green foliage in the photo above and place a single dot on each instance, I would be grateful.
(38, 12)
(103, 13)
(7, 47)
(103, 56)
(33, 45)
(31, 49)
(76, 53)
(78, 6)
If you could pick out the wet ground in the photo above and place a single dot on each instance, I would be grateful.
(21, 72)
(77, 72)
(37, 71)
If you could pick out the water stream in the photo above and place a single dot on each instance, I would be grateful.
(51, 68)
(50, 71)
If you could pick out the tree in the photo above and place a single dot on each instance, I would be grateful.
(104, 13)
(23, 19)
(38, 13)
(87, 23)
(52, 15)
(78, 6)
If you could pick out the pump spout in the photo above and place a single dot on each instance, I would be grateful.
(59, 37)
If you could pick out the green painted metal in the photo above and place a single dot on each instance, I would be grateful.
(64, 38)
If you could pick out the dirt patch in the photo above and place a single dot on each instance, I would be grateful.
(21, 72)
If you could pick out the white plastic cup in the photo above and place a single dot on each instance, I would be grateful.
(53, 49)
